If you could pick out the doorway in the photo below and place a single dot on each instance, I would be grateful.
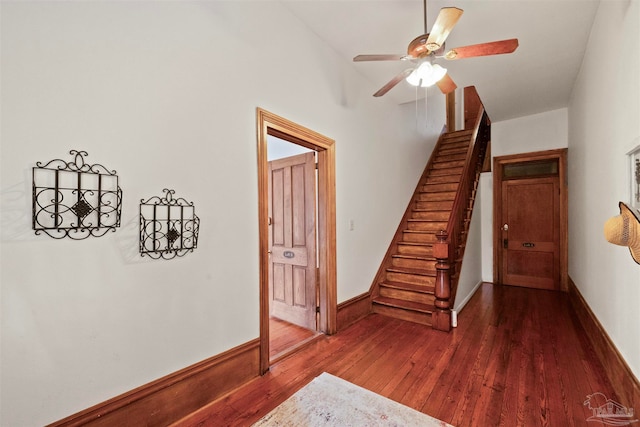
(325, 298)
(530, 220)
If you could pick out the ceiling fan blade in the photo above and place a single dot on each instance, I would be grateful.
(483, 49)
(446, 20)
(394, 81)
(446, 84)
(361, 58)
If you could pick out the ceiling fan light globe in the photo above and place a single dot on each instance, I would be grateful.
(438, 73)
(426, 75)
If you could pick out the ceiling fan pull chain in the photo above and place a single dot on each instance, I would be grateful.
(417, 121)
(426, 110)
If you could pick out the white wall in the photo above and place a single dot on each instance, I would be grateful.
(604, 121)
(166, 93)
(471, 272)
(538, 132)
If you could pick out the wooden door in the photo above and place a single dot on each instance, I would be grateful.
(531, 233)
(292, 240)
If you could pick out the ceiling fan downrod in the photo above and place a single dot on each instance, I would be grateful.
(424, 6)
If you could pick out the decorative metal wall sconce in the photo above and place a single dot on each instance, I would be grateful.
(168, 227)
(75, 199)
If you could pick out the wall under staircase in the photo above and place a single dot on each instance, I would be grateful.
(407, 285)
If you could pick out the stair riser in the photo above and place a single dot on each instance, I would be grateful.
(419, 237)
(425, 251)
(435, 205)
(447, 172)
(437, 188)
(452, 151)
(448, 195)
(462, 155)
(427, 226)
(442, 179)
(448, 164)
(456, 139)
(411, 278)
(431, 216)
(422, 264)
(457, 135)
(455, 145)
(407, 295)
(398, 313)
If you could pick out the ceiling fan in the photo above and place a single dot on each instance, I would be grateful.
(424, 49)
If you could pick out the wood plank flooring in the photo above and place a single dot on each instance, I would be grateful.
(518, 358)
(283, 336)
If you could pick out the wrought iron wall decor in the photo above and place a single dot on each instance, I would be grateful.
(168, 227)
(75, 199)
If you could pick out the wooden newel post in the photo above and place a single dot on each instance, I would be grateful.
(441, 317)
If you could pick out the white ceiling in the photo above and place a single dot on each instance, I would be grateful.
(537, 77)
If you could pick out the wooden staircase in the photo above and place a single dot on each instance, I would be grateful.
(408, 285)
(407, 290)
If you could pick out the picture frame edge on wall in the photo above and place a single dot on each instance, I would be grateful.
(634, 173)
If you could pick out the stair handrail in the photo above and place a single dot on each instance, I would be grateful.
(477, 119)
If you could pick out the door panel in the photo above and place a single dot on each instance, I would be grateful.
(530, 211)
(292, 240)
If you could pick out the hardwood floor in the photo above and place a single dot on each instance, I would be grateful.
(285, 337)
(518, 358)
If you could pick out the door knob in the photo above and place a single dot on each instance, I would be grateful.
(505, 227)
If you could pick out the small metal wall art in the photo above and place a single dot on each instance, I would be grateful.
(75, 199)
(168, 227)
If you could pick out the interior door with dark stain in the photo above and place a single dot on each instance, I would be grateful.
(292, 240)
(530, 232)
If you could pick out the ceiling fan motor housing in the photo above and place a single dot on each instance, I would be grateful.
(419, 47)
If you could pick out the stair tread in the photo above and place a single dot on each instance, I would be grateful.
(439, 184)
(445, 171)
(456, 138)
(462, 147)
(462, 142)
(450, 179)
(414, 271)
(436, 190)
(398, 303)
(418, 257)
(442, 194)
(408, 286)
(415, 243)
(431, 210)
(469, 131)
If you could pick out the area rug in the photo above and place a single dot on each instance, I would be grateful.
(331, 401)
